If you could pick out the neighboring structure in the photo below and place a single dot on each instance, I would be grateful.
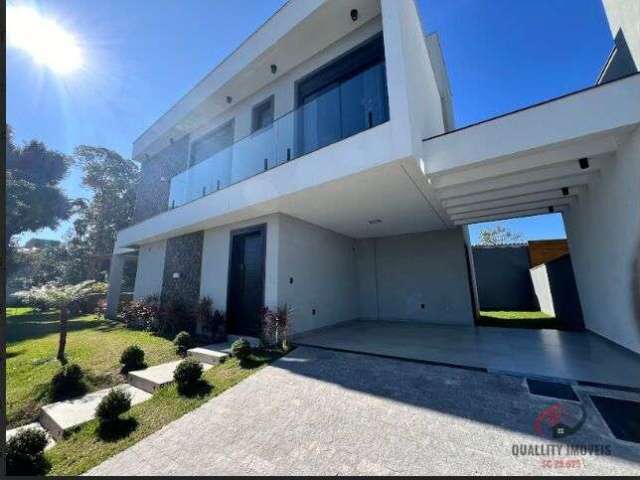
(543, 251)
(503, 279)
(315, 167)
(556, 291)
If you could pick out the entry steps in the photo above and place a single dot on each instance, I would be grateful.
(152, 378)
(60, 417)
(217, 352)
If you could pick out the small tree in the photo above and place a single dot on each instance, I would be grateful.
(499, 235)
(60, 297)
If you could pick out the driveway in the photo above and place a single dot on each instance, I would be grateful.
(324, 412)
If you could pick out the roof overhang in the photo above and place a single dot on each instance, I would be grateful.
(531, 161)
(292, 35)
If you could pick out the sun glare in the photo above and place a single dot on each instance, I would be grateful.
(47, 42)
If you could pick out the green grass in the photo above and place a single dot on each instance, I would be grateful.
(517, 319)
(506, 315)
(85, 448)
(96, 345)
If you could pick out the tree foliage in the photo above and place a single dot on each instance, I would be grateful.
(33, 194)
(499, 235)
(60, 297)
(112, 180)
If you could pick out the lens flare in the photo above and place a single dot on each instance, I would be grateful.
(47, 42)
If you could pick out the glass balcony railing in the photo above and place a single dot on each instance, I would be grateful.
(354, 105)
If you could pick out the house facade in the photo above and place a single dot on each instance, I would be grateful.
(318, 166)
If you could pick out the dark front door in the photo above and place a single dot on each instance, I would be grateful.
(246, 282)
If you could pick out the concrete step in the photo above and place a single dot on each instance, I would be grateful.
(152, 378)
(210, 354)
(50, 441)
(214, 353)
(60, 417)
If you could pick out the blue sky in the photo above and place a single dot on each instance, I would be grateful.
(142, 56)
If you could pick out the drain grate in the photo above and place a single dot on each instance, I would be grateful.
(622, 417)
(561, 391)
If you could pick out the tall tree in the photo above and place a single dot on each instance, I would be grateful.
(112, 180)
(34, 198)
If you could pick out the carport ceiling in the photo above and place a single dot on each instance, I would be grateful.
(353, 205)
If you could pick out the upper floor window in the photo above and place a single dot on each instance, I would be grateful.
(212, 143)
(343, 98)
(262, 115)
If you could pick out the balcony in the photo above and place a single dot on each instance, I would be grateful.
(342, 109)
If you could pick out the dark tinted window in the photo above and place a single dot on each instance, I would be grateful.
(263, 115)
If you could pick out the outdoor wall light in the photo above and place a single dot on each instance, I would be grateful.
(551, 209)
(274, 68)
(565, 191)
(584, 163)
(229, 99)
(354, 14)
(374, 221)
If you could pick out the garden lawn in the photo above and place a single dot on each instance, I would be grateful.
(94, 344)
(517, 319)
(85, 448)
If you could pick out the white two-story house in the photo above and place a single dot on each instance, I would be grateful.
(318, 166)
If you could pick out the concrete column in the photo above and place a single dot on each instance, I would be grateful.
(115, 284)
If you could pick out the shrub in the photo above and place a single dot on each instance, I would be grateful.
(113, 405)
(101, 309)
(275, 327)
(211, 322)
(183, 342)
(177, 317)
(25, 453)
(241, 348)
(67, 382)
(142, 314)
(132, 358)
(187, 374)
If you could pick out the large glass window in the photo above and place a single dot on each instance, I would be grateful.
(343, 98)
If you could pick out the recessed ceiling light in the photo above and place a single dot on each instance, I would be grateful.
(374, 221)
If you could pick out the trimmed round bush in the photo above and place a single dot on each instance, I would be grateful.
(183, 342)
(113, 405)
(67, 382)
(132, 358)
(25, 453)
(241, 348)
(187, 374)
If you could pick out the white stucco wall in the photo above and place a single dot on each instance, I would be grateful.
(323, 268)
(414, 99)
(397, 275)
(215, 261)
(542, 288)
(150, 269)
(603, 230)
(625, 15)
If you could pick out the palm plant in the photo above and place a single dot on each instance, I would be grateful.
(60, 297)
